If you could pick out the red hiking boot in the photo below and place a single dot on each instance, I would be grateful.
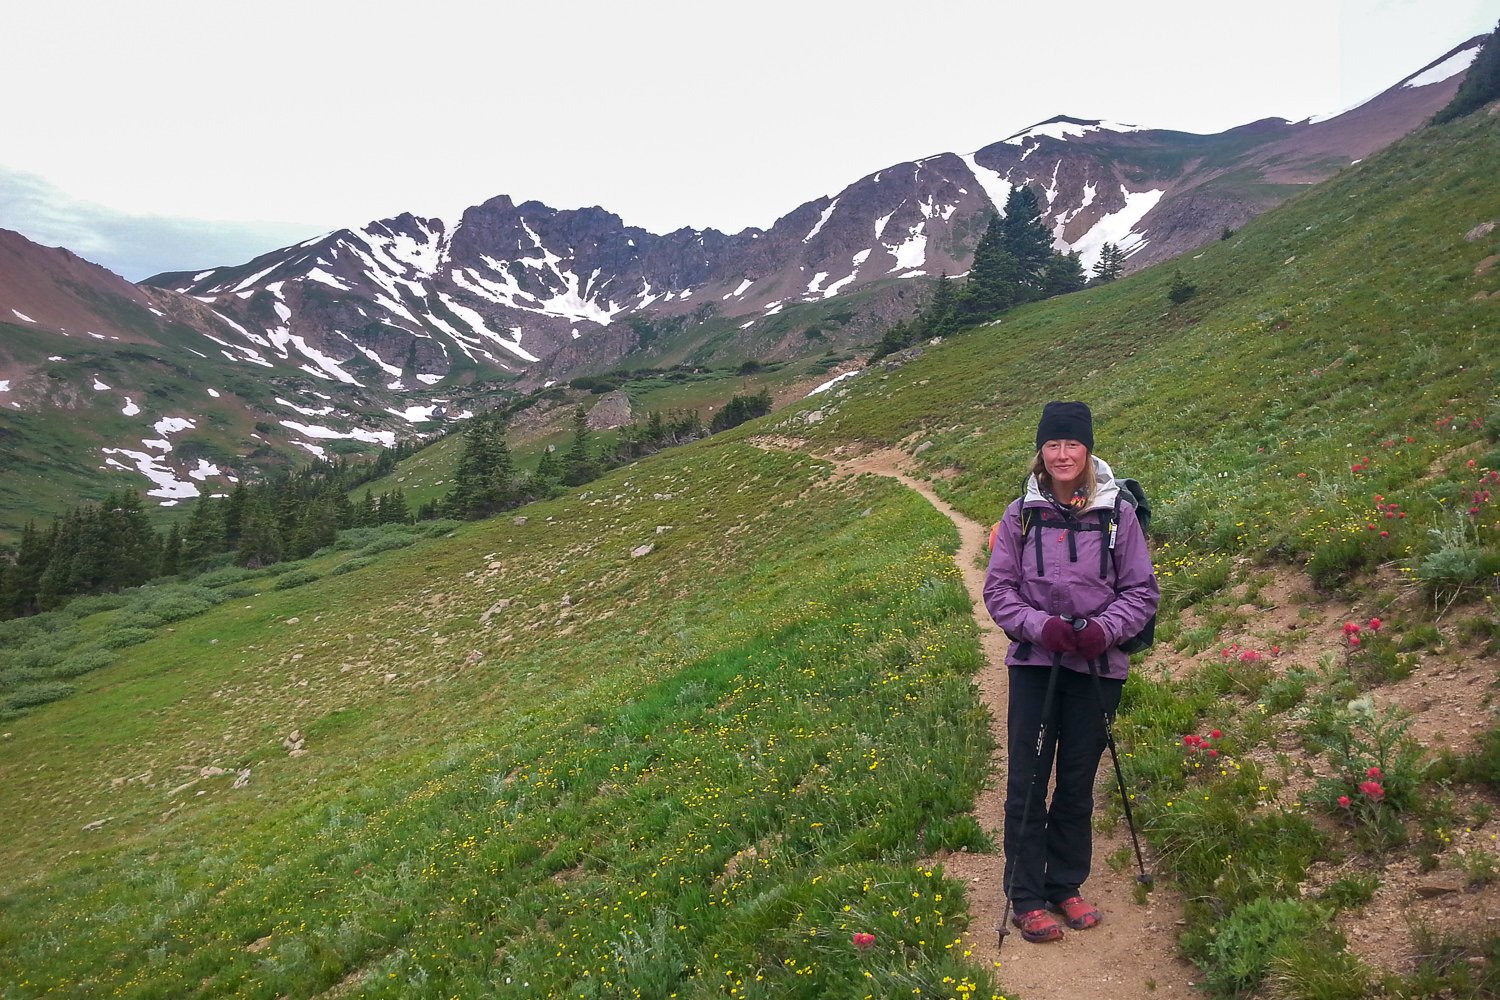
(1079, 913)
(1038, 926)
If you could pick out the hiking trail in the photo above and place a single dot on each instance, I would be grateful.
(1133, 952)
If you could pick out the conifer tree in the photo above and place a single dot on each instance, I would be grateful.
(1109, 265)
(393, 507)
(260, 536)
(170, 562)
(578, 467)
(56, 581)
(548, 474)
(132, 550)
(1063, 273)
(204, 536)
(1025, 236)
(940, 317)
(367, 515)
(234, 514)
(24, 577)
(994, 277)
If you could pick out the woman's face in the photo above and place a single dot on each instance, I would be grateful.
(1064, 459)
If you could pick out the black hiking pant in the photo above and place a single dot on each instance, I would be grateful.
(1049, 860)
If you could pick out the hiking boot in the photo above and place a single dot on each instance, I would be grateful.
(1079, 913)
(1038, 926)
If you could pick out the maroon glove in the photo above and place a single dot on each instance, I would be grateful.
(1090, 641)
(1057, 636)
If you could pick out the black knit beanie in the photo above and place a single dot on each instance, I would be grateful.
(1066, 421)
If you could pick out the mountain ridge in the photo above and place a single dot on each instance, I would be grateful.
(382, 327)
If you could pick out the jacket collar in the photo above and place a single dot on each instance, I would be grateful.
(1105, 490)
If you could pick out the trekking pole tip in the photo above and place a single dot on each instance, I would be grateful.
(1145, 880)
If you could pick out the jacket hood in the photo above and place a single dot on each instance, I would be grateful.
(1105, 490)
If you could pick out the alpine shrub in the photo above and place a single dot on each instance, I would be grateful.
(1256, 935)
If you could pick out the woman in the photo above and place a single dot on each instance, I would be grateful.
(1067, 600)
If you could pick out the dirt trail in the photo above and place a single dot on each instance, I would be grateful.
(1133, 952)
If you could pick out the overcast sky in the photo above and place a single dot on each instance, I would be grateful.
(159, 135)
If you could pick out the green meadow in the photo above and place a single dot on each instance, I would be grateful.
(687, 730)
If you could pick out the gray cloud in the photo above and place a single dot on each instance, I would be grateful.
(134, 246)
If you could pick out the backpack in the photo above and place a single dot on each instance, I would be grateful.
(1108, 521)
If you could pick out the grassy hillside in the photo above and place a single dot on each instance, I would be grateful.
(428, 475)
(523, 760)
(531, 758)
(1335, 350)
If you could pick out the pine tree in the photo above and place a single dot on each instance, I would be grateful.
(367, 515)
(1063, 274)
(940, 317)
(578, 467)
(1025, 236)
(260, 536)
(994, 278)
(234, 514)
(56, 582)
(394, 509)
(1109, 265)
(170, 561)
(204, 536)
(548, 472)
(134, 548)
(32, 557)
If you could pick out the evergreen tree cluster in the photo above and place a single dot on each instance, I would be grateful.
(105, 547)
(1481, 84)
(1111, 263)
(486, 480)
(740, 409)
(1014, 263)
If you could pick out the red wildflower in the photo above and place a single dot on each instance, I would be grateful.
(1375, 624)
(1372, 789)
(1343, 802)
(1216, 734)
(1373, 772)
(863, 939)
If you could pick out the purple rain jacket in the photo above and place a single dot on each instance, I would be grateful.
(1020, 601)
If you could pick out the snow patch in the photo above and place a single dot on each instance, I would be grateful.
(204, 470)
(832, 382)
(4, 385)
(386, 438)
(168, 486)
(98, 385)
(1452, 66)
(822, 220)
(414, 414)
(306, 411)
(912, 251)
(130, 409)
(214, 393)
(1117, 228)
(22, 316)
(995, 186)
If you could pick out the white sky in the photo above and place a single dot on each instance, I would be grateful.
(305, 116)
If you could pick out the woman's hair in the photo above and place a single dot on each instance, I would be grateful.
(1090, 481)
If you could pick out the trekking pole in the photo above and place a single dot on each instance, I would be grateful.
(1109, 741)
(1036, 767)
